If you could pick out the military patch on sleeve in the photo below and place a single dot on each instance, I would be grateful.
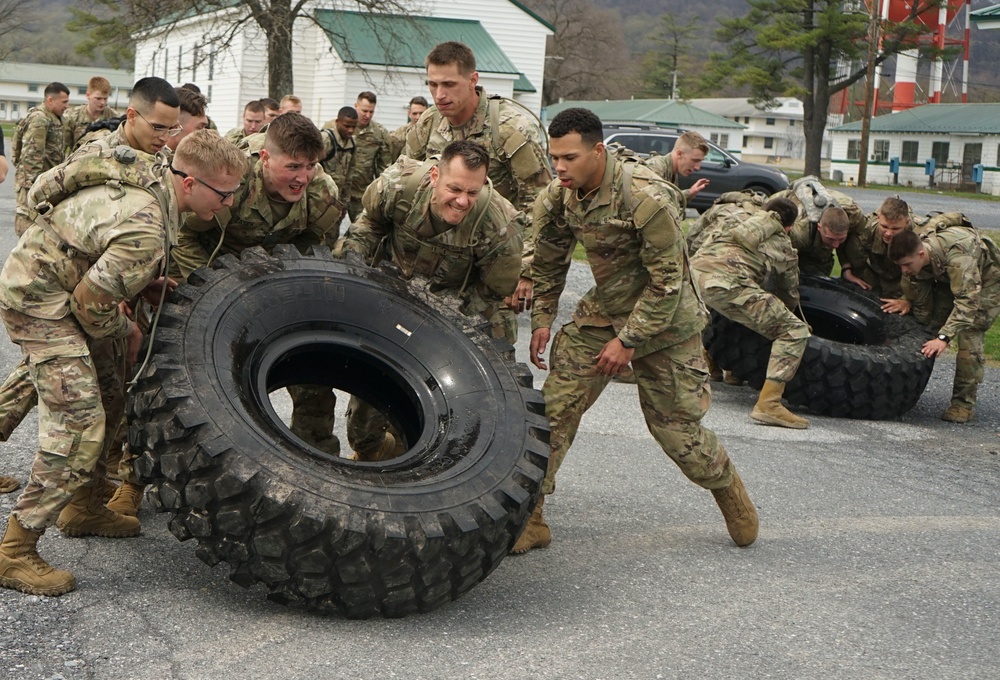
(655, 222)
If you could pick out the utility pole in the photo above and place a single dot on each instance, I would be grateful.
(866, 120)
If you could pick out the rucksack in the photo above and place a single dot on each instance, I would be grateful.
(17, 143)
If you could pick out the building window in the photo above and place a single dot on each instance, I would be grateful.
(211, 65)
(32, 87)
(746, 142)
(769, 121)
(81, 90)
(714, 138)
(180, 63)
(791, 122)
(769, 142)
(939, 152)
(194, 65)
(746, 119)
(166, 63)
(723, 141)
(880, 154)
(911, 152)
(208, 95)
(853, 149)
(3, 107)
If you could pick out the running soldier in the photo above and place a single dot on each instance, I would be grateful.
(685, 158)
(643, 309)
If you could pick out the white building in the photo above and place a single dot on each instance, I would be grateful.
(956, 137)
(340, 54)
(23, 85)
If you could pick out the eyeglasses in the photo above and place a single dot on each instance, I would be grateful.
(162, 130)
(222, 194)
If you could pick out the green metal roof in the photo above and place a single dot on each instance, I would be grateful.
(936, 118)
(358, 38)
(71, 76)
(666, 112)
(985, 14)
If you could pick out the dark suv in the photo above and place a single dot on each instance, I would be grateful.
(724, 172)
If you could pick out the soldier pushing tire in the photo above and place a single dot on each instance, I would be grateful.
(333, 534)
(860, 362)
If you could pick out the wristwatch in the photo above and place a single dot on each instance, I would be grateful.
(944, 338)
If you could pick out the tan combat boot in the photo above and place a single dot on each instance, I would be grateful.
(770, 411)
(387, 451)
(715, 373)
(731, 378)
(739, 511)
(21, 568)
(86, 516)
(127, 499)
(8, 484)
(106, 489)
(957, 414)
(536, 535)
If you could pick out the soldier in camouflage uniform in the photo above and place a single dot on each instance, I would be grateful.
(398, 136)
(285, 198)
(148, 132)
(730, 269)
(815, 242)
(39, 144)
(76, 120)
(812, 198)
(519, 168)
(962, 259)
(338, 137)
(64, 284)
(643, 309)
(253, 121)
(192, 117)
(686, 157)
(372, 153)
(443, 221)
(729, 210)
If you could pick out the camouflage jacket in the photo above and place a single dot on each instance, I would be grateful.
(338, 165)
(637, 254)
(236, 135)
(478, 259)
(372, 149)
(257, 219)
(813, 255)
(748, 255)
(110, 235)
(76, 120)
(42, 141)
(397, 139)
(868, 258)
(969, 264)
(730, 210)
(664, 167)
(519, 164)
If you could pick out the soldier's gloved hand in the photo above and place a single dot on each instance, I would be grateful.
(353, 257)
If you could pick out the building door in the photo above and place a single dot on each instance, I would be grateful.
(971, 154)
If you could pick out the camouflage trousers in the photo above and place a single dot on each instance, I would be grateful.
(21, 221)
(313, 416)
(763, 313)
(78, 403)
(354, 208)
(366, 428)
(970, 361)
(674, 395)
(18, 397)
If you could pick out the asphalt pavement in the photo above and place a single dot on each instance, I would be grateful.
(877, 558)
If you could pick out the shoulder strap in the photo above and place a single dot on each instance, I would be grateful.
(493, 109)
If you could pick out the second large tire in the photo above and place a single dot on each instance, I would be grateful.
(390, 538)
(860, 362)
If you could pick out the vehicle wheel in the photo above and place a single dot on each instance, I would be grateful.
(760, 189)
(390, 538)
(859, 363)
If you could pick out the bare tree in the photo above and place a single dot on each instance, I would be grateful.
(16, 17)
(112, 21)
(587, 57)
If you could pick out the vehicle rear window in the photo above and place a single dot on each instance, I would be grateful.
(646, 143)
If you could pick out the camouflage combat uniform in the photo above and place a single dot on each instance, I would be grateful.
(477, 260)
(814, 257)
(111, 240)
(867, 256)
(39, 144)
(236, 135)
(340, 155)
(730, 210)
(397, 139)
(970, 265)
(257, 219)
(372, 155)
(644, 296)
(664, 167)
(519, 164)
(76, 120)
(729, 271)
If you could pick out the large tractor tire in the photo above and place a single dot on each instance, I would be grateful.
(860, 362)
(326, 532)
